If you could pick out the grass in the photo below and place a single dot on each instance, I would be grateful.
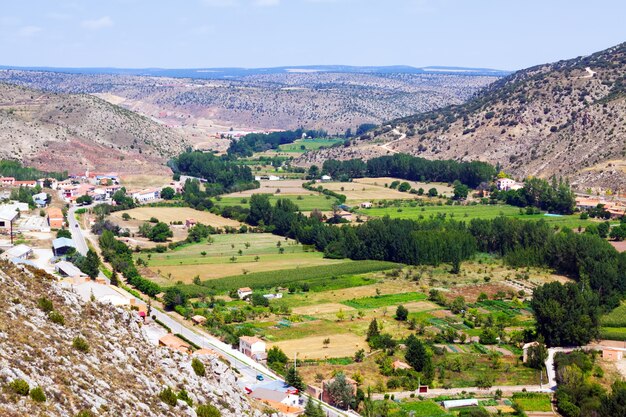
(616, 318)
(384, 300)
(470, 212)
(308, 144)
(304, 202)
(533, 401)
(613, 333)
(316, 277)
(415, 408)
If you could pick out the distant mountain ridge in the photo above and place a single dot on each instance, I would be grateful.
(234, 72)
(564, 118)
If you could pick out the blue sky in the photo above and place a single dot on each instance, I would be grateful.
(502, 34)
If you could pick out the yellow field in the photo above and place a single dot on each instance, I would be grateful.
(141, 181)
(373, 189)
(341, 345)
(328, 308)
(286, 187)
(172, 214)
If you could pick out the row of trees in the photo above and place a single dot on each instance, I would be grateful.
(412, 168)
(222, 174)
(21, 173)
(260, 142)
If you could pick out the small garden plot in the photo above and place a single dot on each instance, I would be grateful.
(385, 300)
(427, 408)
(315, 347)
(530, 401)
(503, 307)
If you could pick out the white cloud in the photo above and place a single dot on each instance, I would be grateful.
(96, 24)
(266, 3)
(203, 30)
(28, 31)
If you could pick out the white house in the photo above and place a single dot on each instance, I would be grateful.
(252, 347)
(505, 184)
(274, 178)
(326, 178)
(145, 196)
(18, 252)
(366, 204)
(244, 292)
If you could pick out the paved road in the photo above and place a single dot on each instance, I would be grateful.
(247, 367)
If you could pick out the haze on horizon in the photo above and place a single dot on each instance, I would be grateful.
(271, 33)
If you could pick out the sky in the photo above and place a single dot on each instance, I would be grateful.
(499, 34)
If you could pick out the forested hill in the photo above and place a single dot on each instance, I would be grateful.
(564, 118)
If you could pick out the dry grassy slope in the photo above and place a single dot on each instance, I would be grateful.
(550, 119)
(78, 132)
(121, 375)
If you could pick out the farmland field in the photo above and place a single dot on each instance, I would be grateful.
(172, 214)
(287, 187)
(533, 401)
(308, 144)
(356, 191)
(233, 254)
(615, 318)
(385, 300)
(304, 202)
(426, 408)
(468, 212)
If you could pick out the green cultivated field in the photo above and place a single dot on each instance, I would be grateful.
(616, 318)
(304, 202)
(613, 333)
(384, 300)
(533, 401)
(469, 212)
(318, 277)
(308, 144)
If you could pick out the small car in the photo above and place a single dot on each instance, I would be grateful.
(259, 377)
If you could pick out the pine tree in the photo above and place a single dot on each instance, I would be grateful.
(372, 331)
(294, 379)
(91, 264)
(416, 354)
(114, 280)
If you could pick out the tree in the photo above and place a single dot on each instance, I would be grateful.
(402, 313)
(416, 354)
(90, 264)
(372, 332)
(168, 193)
(160, 232)
(566, 315)
(114, 279)
(341, 393)
(404, 187)
(198, 367)
(460, 191)
(458, 305)
(84, 200)
(64, 233)
(276, 355)
(537, 354)
(174, 297)
(311, 409)
(259, 301)
(294, 379)
(432, 192)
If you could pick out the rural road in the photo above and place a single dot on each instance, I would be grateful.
(247, 367)
(453, 391)
(386, 145)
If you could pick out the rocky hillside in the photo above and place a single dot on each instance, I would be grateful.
(333, 101)
(113, 372)
(566, 118)
(78, 132)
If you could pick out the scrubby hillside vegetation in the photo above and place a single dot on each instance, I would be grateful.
(55, 131)
(60, 356)
(564, 118)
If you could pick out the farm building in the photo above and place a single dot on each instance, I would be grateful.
(18, 252)
(41, 199)
(190, 223)
(366, 204)
(199, 319)
(613, 355)
(55, 218)
(505, 184)
(26, 184)
(145, 196)
(244, 292)
(68, 269)
(174, 343)
(326, 178)
(7, 181)
(449, 404)
(253, 347)
(8, 215)
(62, 246)
(278, 395)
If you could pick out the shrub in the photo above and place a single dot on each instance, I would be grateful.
(56, 317)
(208, 410)
(37, 395)
(183, 395)
(84, 413)
(19, 387)
(168, 396)
(198, 367)
(80, 344)
(45, 305)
